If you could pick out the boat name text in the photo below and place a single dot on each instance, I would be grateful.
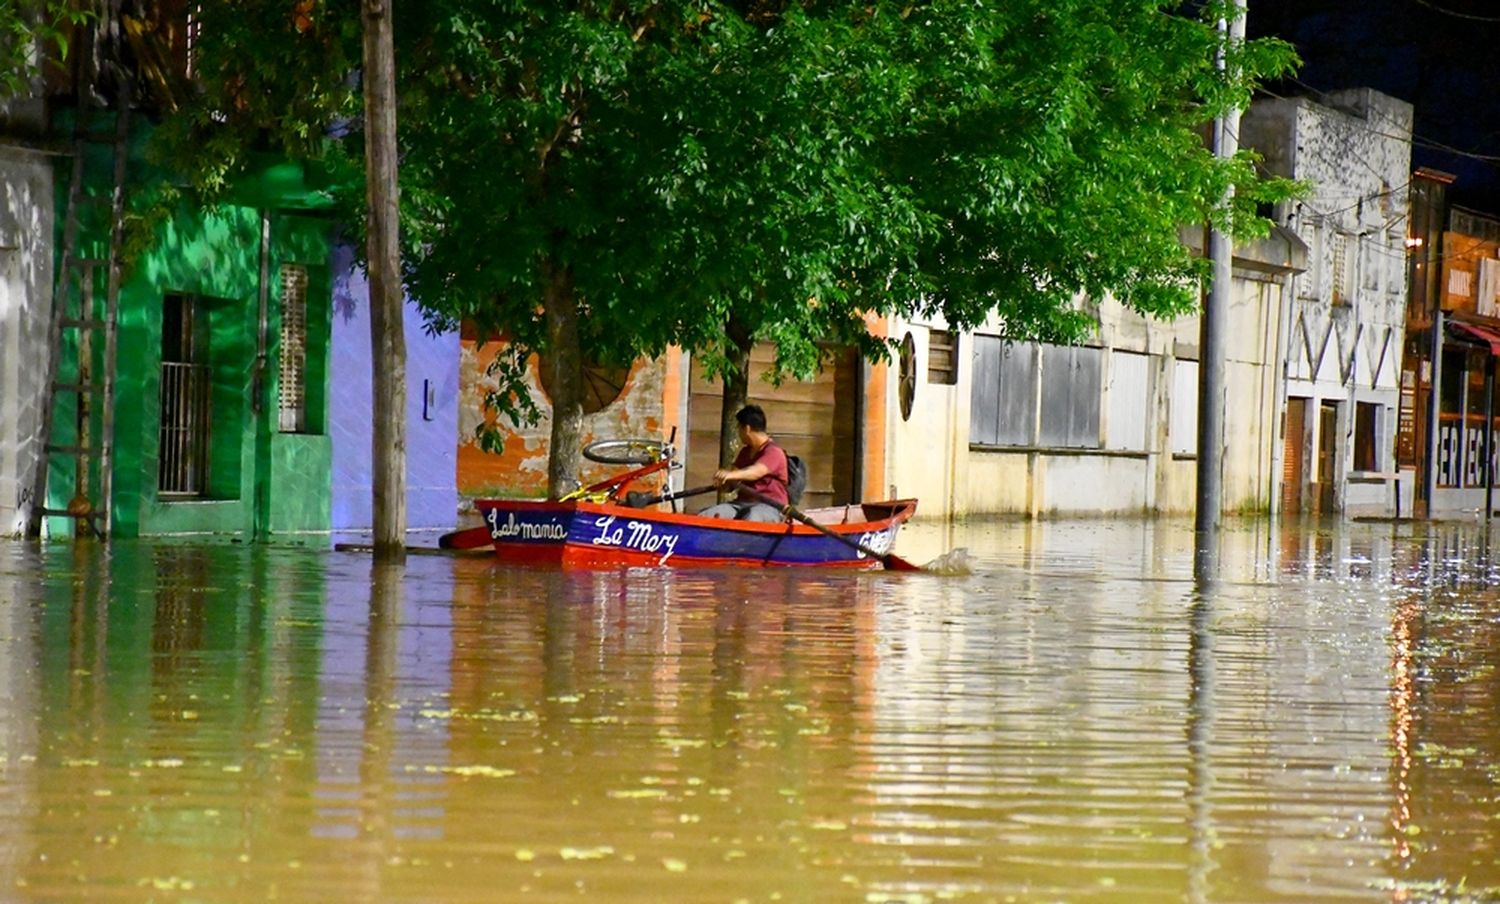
(525, 530)
(635, 535)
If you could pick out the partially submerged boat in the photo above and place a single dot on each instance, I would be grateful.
(597, 534)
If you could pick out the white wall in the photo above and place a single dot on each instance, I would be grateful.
(26, 218)
(1353, 149)
(1148, 415)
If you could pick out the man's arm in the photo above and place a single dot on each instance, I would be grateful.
(748, 474)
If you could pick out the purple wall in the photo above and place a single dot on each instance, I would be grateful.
(431, 422)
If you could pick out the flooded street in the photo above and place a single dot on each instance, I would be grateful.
(1075, 720)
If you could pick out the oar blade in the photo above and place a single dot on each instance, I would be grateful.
(896, 563)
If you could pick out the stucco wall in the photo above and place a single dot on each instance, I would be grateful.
(26, 250)
(1345, 335)
(432, 399)
(926, 459)
(1154, 470)
(519, 470)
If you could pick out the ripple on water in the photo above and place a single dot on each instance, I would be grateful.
(1075, 719)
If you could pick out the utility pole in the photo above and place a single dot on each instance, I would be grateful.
(1214, 325)
(387, 336)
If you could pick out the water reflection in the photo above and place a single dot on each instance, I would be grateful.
(1077, 720)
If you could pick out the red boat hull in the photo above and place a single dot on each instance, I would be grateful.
(593, 535)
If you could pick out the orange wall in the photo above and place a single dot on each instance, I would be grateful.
(520, 469)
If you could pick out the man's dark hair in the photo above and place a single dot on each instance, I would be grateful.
(753, 417)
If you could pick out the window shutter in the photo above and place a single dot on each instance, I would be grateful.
(292, 395)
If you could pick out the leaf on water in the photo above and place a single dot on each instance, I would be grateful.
(166, 762)
(483, 715)
(525, 856)
(637, 793)
(593, 853)
(78, 762)
(830, 825)
(679, 743)
(674, 865)
(476, 770)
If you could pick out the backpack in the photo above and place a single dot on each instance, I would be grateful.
(796, 478)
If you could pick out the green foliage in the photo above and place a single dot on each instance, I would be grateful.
(795, 165)
(33, 31)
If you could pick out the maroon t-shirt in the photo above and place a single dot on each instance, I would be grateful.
(773, 485)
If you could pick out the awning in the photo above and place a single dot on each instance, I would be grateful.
(1482, 333)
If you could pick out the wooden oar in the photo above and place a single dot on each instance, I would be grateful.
(637, 499)
(891, 561)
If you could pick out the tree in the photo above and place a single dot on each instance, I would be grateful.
(31, 32)
(609, 178)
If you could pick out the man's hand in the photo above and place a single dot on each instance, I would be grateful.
(723, 476)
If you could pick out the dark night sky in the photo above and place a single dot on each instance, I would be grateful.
(1443, 56)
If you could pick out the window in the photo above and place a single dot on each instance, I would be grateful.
(1071, 396)
(1128, 398)
(1003, 394)
(1366, 436)
(1343, 268)
(292, 386)
(908, 375)
(182, 456)
(1184, 424)
(942, 357)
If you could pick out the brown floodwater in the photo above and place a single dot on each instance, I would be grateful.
(1075, 720)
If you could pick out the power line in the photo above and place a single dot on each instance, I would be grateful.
(1455, 13)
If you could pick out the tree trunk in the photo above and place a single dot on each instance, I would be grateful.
(387, 336)
(567, 380)
(736, 392)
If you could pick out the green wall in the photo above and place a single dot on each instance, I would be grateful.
(260, 482)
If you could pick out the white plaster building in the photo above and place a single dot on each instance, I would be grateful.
(26, 230)
(981, 426)
(1348, 309)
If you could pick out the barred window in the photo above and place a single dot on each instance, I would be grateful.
(292, 394)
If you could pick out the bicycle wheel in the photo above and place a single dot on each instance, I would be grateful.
(624, 451)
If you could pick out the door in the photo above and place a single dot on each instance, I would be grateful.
(1328, 445)
(1293, 446)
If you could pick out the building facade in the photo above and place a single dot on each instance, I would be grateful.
(26, 254)
(981, 425)
(432, 405)
(1347, 313)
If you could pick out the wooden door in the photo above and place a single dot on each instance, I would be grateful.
(1293, 447)
(1328, 421)
(815, 419)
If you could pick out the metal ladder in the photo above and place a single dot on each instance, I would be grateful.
(89, 324)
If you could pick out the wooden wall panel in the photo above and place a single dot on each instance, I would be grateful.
(816, 419)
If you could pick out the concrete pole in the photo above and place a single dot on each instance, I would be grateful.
(387, 331)
(1214, 325)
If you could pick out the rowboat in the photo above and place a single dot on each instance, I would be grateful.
(591, 534)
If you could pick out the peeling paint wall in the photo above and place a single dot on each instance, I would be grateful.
(26, 220)
(520, 469)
